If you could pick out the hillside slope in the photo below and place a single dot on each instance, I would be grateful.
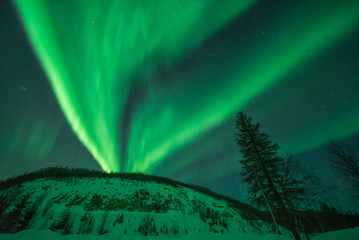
(92, 206)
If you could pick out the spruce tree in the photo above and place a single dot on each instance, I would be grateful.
(261, 169)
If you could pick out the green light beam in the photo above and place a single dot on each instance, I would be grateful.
(91, 52)
(267, 69)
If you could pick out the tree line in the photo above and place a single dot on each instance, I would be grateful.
(59, 172)
(286, 189)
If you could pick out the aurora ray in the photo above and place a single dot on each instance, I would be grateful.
(107, 65)
(91, 53)
(243, 85)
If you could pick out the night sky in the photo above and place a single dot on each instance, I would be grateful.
(154, 86)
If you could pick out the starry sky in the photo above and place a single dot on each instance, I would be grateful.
(154, 86)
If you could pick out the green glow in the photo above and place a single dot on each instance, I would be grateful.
(343, 127)
(95, 53)
(34, 138)
(241, 87)
(91, 52)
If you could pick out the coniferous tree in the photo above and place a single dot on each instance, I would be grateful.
(261, 169)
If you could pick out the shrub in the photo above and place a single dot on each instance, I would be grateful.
(87, 222)
(12, 218)
(61, 222)
(47, 207)
(147, 226)
(94, 204)
(119, 219)
(102, 230)
(27, 213)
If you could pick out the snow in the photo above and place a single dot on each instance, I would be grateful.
(45, 235)
(347, 234)
(124, 207)
(175, 211)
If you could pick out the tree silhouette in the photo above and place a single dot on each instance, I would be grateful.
(346, 163)
(261, 170)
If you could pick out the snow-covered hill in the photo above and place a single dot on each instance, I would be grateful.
(114, 207)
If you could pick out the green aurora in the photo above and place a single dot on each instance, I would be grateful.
(107, 65)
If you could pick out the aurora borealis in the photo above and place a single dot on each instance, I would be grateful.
(92, 53)
(153, 86)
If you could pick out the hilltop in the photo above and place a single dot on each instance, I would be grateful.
(85, 202)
